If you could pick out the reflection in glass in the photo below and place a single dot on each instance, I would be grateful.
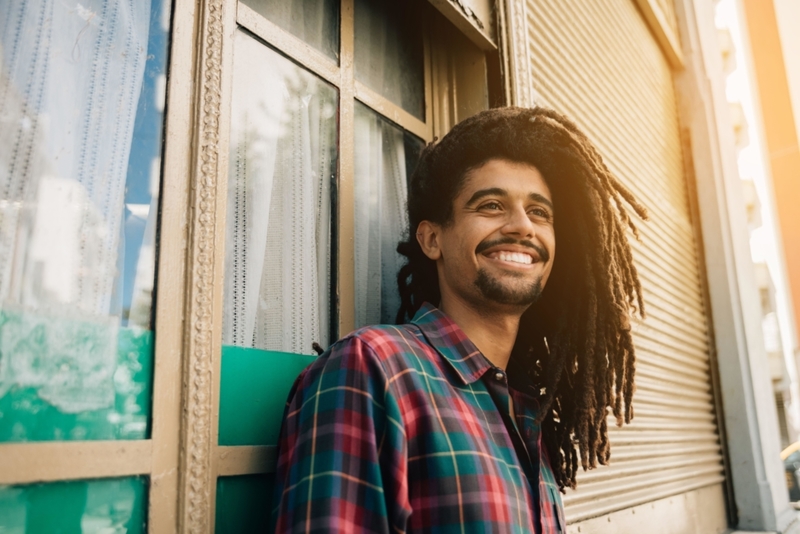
(314, 21)
(278, 241)
(389, 52)
(385, 158)
(81, 105)
(108, 505)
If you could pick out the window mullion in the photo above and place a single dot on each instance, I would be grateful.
(47, 461)
(346, 187)
(393, 112)
(298, 50)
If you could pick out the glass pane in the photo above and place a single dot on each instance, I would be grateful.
(385, 159)
(389, 52)
(243, 504)
(108, 505)
(314, 21)
(282, 167)
(81, 110)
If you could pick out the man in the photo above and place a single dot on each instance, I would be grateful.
(467, 418)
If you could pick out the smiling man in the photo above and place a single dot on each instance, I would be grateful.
(473, 416)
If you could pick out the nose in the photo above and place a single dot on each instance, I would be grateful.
(519, 224)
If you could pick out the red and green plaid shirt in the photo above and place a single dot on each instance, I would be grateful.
(408, 429)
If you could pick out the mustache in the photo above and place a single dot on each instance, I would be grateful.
(486, 245)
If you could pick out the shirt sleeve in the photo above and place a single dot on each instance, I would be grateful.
(342, 449)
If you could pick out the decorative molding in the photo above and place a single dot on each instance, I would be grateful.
(519, 53)
(197, 433)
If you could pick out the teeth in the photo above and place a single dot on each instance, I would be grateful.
(516, 257)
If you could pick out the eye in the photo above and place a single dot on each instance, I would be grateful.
(491, 206)
(540, 214)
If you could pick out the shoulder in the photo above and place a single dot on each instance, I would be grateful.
(379, 350)
(387, 340)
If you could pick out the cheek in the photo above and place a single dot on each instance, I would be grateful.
(461, 245)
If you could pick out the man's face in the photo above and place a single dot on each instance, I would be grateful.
(499, 248)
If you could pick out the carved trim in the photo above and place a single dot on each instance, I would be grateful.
(519, 53)
(197, 433)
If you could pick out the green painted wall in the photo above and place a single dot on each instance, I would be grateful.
(75, 507)
(254, 386)
(243, 504)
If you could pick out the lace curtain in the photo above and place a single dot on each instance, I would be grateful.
(380, 205)
(282, 163)
(70, 83)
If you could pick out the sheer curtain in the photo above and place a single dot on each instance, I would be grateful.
(381, 218)
(282, 160)
(70, 83)
(70, 80)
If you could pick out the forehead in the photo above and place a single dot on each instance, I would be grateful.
(512, 177)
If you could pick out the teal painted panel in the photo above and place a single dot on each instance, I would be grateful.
(65, 379)
(243, 504)
(75, 507)
(254, 385)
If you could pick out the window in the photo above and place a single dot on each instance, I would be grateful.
(82, 101)
(401, 73)
(282, 168)
(332, 102)
(82, 90)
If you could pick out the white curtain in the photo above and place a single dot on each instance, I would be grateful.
(70, 79)
(381, 217)
(69, 88)
(277, 272)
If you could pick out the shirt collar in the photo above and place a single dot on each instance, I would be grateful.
(452, 343)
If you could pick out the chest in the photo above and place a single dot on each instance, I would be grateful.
(464, 467)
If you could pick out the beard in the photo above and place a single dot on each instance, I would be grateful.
(495, 291)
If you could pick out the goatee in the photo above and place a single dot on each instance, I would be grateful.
(497, 292)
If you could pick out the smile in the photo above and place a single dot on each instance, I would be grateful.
(511, 257)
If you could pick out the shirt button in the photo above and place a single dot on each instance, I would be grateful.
(499, 376)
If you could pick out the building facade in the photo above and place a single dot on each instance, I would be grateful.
(775, 75)
(194, 193)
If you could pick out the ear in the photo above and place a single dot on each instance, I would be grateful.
(428, 239)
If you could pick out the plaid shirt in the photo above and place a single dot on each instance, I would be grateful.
(408, 429)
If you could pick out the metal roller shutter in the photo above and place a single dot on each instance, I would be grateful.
(596, 61)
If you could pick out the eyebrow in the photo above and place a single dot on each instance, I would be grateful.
(497, 191)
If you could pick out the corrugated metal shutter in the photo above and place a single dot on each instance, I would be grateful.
(596, 61)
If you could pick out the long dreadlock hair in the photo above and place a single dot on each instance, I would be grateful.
(575, 341)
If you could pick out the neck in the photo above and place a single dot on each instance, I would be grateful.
(492, 330)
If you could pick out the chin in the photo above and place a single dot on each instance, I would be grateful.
(515, 295)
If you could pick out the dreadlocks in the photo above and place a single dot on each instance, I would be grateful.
(575, 341)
